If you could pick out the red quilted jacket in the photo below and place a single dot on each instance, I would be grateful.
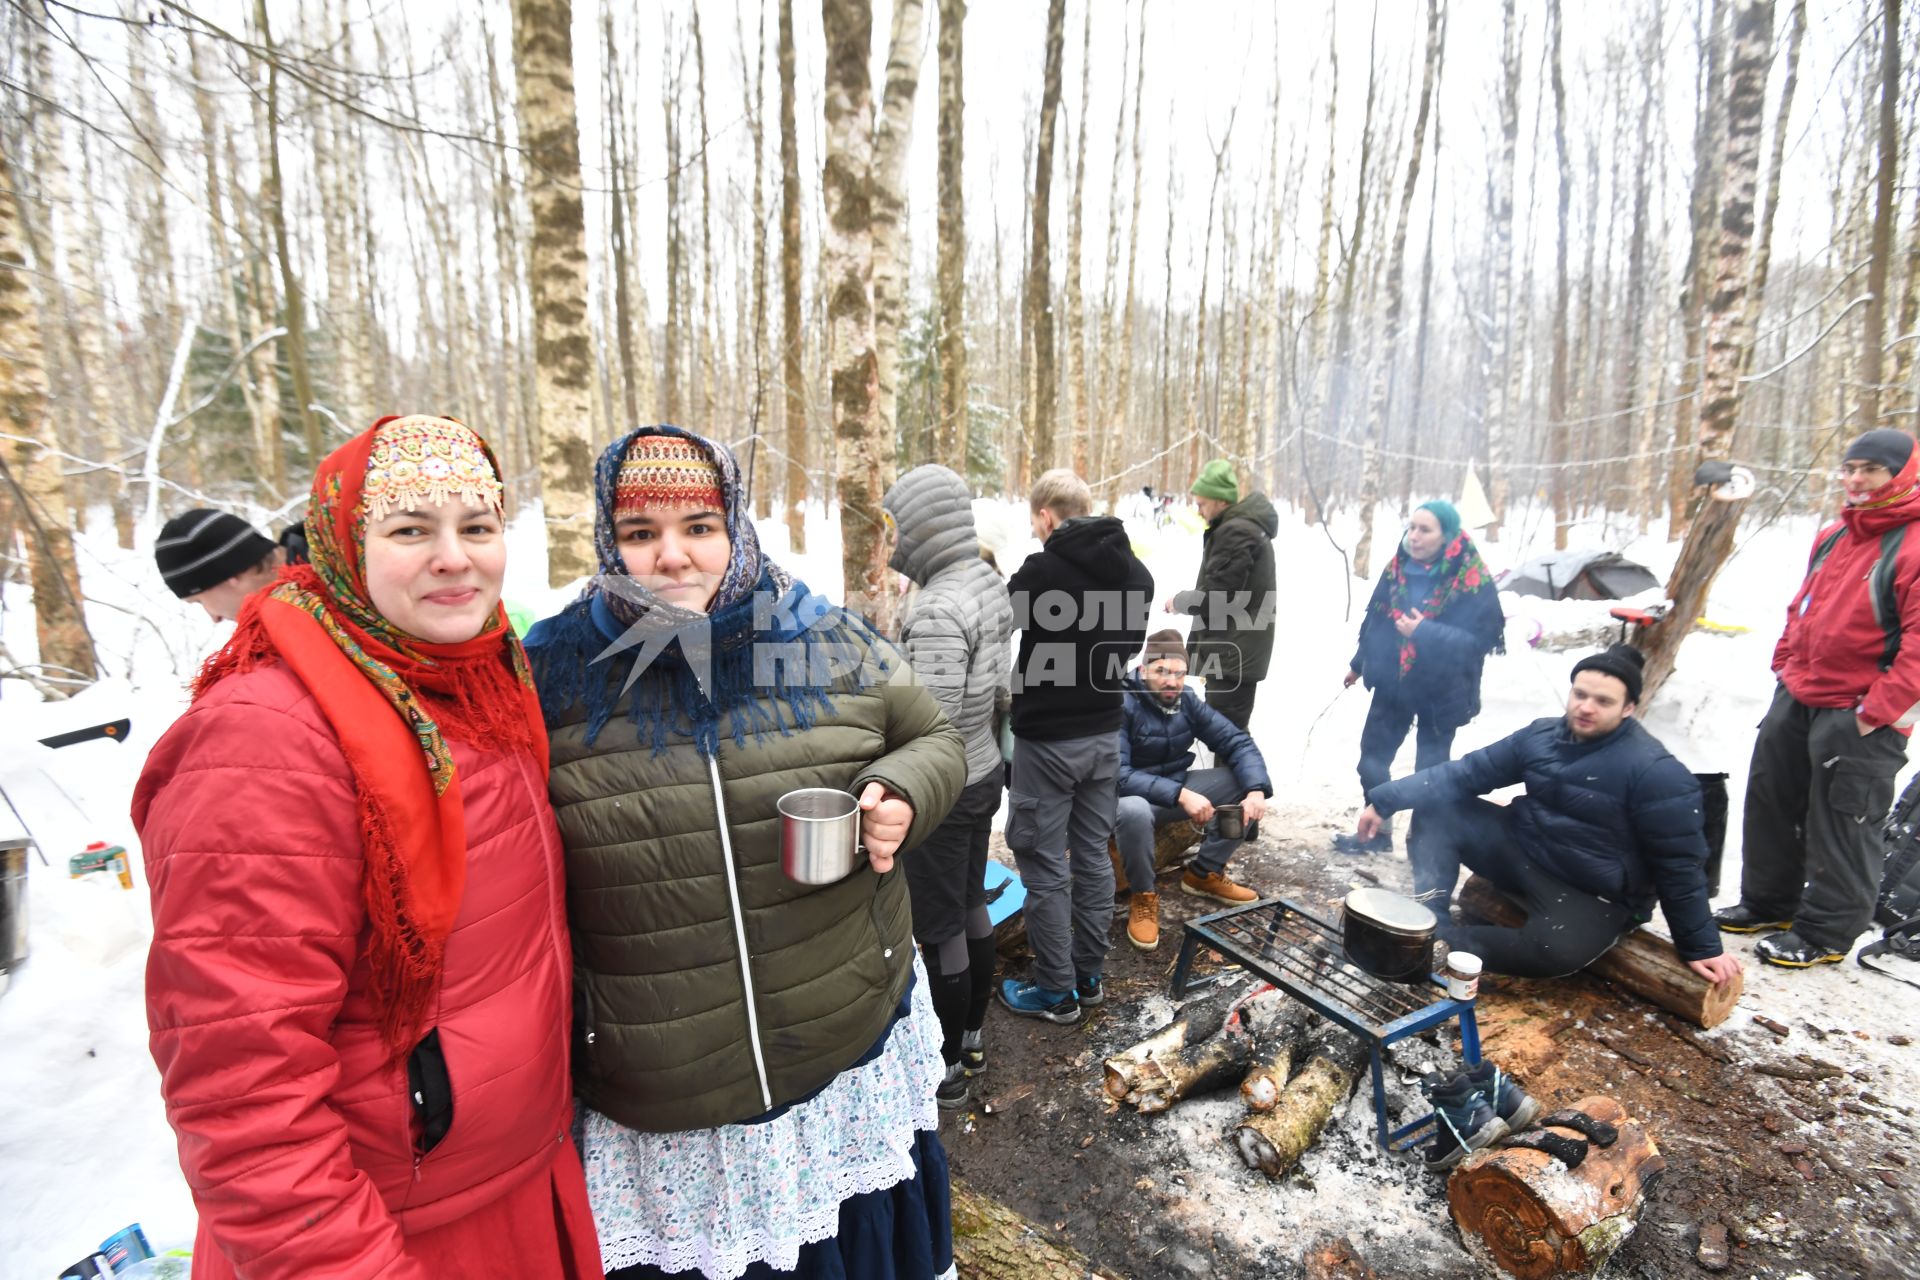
(1829, 655)
(301, 1147)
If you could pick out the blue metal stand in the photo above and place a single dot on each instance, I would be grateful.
(1300, 953)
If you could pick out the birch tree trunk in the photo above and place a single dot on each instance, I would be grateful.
(1710, 536)
(1708, 155)
(865, 466)
(1873, 327)
(1076, 305)
(794, 371)
(1557, 374)
(557, 263)
(1506, 362)
(272, 204)
(1640, 421)
(1384, 371)
(1037, 317)
(906, 47)
(756, 97)
(1314, 455)
(950, 256)
(59, 625)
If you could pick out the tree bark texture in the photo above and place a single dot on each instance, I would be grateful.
(793, 369)
(950, 281)
(1042, 382)
(1557, 408)
(37, 491)
(892, 133)
(557, 265)
(1710, 542)
(992, 1242)
(1873, 326)
(865, 468)
(1273, 1141)
(292, 301)
(1708, 131)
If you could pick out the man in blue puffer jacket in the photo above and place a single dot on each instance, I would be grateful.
(1159, 785)
(1609, 823)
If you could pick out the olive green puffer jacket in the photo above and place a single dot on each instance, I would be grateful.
(709, 988)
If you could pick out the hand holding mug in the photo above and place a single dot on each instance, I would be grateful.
(884, 819)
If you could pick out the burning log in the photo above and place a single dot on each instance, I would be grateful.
(1204, 1047)
(1643, 964)
(1527, 1214)
(1273, 1142)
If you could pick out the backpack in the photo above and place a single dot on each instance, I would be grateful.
(1897, 910)
(1886, 607)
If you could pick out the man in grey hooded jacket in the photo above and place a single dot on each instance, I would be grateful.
(956, 636)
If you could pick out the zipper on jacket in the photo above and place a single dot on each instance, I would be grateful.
(740, 934)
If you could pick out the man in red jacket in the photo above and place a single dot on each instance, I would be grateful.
(1836, 735)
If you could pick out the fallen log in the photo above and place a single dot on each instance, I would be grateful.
(992, 1242)
(1642, 963)
(1525, 1213)
(1274, 1141)
(1194, 1052)
(1267, 1075)
(1170, 845)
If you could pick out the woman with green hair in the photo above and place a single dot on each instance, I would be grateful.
(1433, 618)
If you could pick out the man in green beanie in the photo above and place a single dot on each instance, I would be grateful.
(1232, 602)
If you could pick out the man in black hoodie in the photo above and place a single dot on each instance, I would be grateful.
(1081, 605)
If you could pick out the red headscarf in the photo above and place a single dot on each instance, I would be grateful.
(392, 700)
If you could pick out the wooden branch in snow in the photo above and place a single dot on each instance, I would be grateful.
(150, 471)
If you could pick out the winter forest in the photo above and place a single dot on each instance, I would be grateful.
(1352, 248)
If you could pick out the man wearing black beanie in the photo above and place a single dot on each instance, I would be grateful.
(216, 560)
(1835, 735)
(1609, 824)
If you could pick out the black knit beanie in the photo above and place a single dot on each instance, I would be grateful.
(1621, 661)
(1883, 445)
(202, 548)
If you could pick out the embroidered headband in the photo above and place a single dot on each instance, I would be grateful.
(424, 461)
(666, 471)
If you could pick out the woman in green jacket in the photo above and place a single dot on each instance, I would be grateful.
(756, 1059)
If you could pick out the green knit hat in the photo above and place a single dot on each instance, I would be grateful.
(1217, 481)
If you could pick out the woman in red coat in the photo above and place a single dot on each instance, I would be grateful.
(358, 989)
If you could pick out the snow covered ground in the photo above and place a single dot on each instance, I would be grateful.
(84, 1146)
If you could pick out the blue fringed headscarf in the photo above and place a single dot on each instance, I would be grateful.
(767, 652)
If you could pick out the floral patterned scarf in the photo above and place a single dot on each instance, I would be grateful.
(1458, 571)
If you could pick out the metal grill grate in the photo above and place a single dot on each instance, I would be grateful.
(1301, 954)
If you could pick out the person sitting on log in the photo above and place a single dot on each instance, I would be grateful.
(1159, 786)
(1610, 821)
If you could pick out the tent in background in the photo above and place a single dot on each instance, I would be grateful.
(1580, 575)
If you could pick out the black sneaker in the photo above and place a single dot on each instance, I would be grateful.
(954, 1091)
(1514, 1105)
(1791, 951)
(973, 1052)
(1030, 1000)
(1348, 842)
(1463, 1119)
(1740, 918)
(1090, 991)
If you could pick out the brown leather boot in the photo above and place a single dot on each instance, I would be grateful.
(1143, 921)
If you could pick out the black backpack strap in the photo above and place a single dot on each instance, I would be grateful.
(1886, 604)
(1902, 939)
(1822, 547)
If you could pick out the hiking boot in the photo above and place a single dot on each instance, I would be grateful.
(1143, 921)
(954, 1091)
(1349, 842)
(1213, 884)
(973, 1052)
(1514, 1105)
(1791, 951)
(1030, 1000)
(1463, 1119)
(1740, 918)
(1089, 991)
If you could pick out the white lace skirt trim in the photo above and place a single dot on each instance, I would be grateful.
(719, 1200)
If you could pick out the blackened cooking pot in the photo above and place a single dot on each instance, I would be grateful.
(1388, 935)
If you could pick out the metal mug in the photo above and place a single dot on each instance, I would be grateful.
(1230, 821)
(819, 835)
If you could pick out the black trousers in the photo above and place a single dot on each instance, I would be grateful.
(1388, 720)
(1235, 704)
(1817, 793)
(1567, 929)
